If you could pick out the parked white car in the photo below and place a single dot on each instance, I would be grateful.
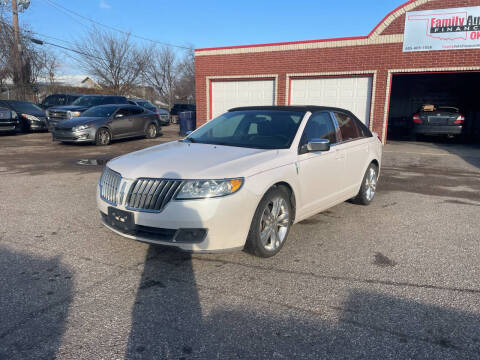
(241, 180)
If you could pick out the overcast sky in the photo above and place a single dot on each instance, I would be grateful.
(212, 23)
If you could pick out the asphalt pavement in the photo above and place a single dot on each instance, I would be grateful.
(395, 280)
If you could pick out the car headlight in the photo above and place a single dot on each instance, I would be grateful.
(30, 117)
(200, 189)
(82, 127)
(72, 114)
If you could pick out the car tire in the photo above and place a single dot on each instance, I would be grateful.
(103, 137)
(271, 223)
(151, 131)
(369, 186)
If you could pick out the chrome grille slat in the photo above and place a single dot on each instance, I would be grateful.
(109, 184)
(151, 194)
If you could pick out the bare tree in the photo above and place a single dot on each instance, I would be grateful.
(161, 73)
(186, 79)
(113, 60)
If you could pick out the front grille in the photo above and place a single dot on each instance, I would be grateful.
(152, 194)
(109, 183)
(57, 114)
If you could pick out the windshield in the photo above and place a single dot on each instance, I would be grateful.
(99, 111)
(260, 129)
(25, 107)
(88, 101)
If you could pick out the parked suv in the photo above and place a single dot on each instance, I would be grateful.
(59, 113)
(178, 108)
(28, 115)
(58, 100)
(438, 120)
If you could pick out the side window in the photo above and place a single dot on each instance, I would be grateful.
(319, 126)
(124, 112)
(348, 127)
(136, 110)
(363, 129)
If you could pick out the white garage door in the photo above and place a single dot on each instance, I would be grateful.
(230, 94)
(351, 93)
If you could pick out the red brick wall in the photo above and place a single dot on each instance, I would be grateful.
(340, 59)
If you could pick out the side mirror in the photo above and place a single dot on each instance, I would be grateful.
(318, 145)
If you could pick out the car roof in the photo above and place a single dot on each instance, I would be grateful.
(299, 108)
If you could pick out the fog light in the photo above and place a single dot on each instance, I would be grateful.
(190, 235)
(83, 137)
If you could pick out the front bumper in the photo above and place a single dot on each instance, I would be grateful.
(225, 222)
(38, 125)
(74, 137)
(437, 130)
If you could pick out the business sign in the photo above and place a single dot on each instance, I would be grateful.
(444, 29)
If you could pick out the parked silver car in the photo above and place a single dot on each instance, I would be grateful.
(104, 123)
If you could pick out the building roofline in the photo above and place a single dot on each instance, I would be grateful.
(372, 33)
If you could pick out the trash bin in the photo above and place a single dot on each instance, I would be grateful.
(188, 121)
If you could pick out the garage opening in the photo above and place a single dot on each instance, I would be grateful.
(410, 92)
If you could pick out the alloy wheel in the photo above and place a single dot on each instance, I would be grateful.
(104, 137)
(370, 184)
(151, 131)
(274, 223)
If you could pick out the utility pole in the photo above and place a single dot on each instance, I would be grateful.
(17, 48)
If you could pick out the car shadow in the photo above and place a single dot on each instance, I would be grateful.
(35, 295)
(174, 318)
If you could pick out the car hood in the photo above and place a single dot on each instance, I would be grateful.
(39, 114)
(182, 160)
(68, 108)
(66, 124)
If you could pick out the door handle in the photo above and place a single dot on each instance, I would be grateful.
(339, 155)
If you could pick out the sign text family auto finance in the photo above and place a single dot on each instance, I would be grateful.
(444, 29)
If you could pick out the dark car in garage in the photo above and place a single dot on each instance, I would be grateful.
(438, 120)
(104, 123)
(29, 116)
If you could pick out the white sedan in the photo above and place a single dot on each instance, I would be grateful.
(241, 180)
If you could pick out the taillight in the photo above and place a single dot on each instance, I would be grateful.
(460, 120)
(416, 119)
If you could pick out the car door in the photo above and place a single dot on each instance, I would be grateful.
(319, 173)
(120, 124)
(138, 120)
(355, 143)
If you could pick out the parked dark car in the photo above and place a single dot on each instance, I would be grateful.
(8, 120)
(438, 120)
(104, 123)
(178, 108)
(162, 114)
(29, 116)
(76, 108)
(58, 100)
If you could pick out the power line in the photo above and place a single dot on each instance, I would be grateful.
(58, 6)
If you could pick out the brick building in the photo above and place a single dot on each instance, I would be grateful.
(376, 76)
